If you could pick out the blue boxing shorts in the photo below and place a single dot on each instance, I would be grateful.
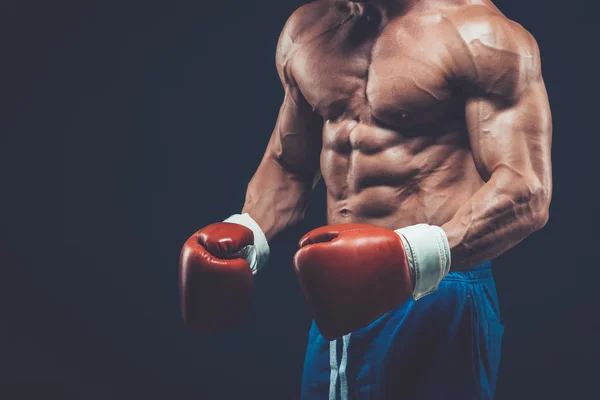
(444, 346)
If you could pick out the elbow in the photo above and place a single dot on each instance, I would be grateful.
(539, 197)
(540, 218)
(529, 194)
(303, 170)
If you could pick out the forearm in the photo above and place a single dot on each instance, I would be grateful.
(277, 198)
(507, 209)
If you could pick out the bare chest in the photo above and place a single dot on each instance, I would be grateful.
(394, 76)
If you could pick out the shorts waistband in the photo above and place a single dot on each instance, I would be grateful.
(479, 272)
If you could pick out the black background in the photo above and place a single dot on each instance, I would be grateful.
(126, 126)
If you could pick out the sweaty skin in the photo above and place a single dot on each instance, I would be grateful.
(412, 111)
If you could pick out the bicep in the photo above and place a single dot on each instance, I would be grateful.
(512, 135)
(507, 110)
(295, 143)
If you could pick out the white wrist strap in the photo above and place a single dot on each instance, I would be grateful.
(257, 254)
(428, 255)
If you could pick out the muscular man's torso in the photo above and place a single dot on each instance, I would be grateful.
(395, 143)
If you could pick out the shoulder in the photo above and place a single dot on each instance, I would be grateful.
(300, 20)
(308, 22)
(495, 54)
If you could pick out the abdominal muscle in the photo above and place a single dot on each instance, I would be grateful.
(392, 179)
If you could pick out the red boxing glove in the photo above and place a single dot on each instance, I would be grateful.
(351, 275)
(215, 280)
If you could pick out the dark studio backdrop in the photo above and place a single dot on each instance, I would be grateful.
(126, 126)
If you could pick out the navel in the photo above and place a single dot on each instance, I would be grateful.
(345, 212)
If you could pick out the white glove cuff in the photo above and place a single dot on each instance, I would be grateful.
(257, 254)
(428, 255)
